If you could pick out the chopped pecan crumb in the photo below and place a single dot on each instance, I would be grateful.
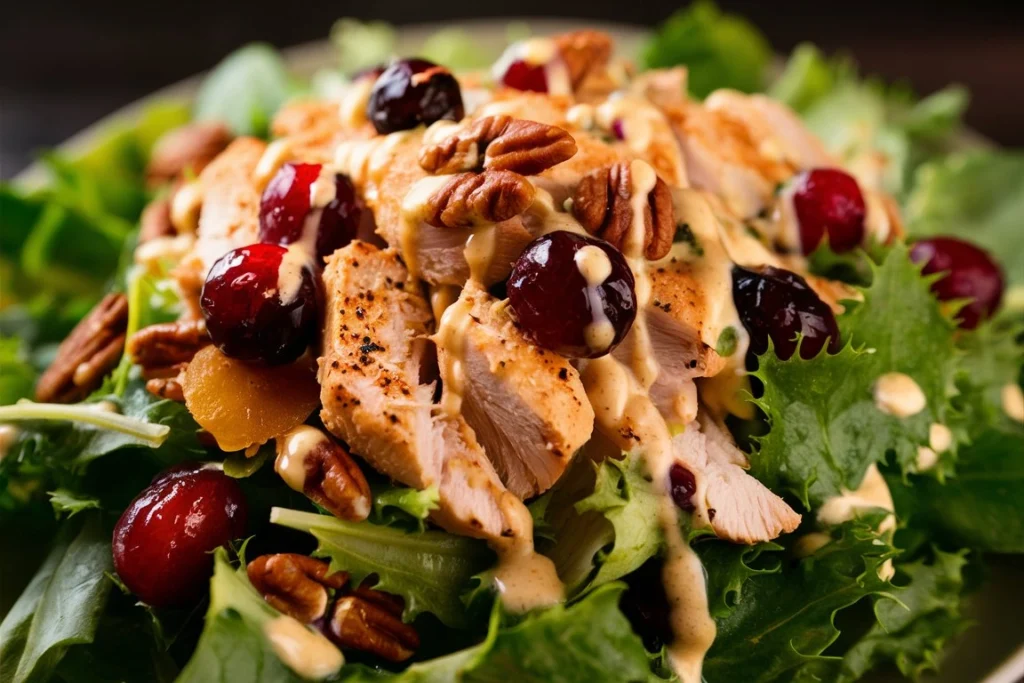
(295, 584)
(368, 626)
(473, 199)
(333, 480)
(500, 142)
(186, 149)
(91, 351)
(602, 203)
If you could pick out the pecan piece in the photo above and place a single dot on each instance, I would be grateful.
(367, 626)
(312, 463)
(474, 199)
(164, 350)
(295, 584)
(186, 149)
(500, 142)
(602, 203)
(584, 52)
(91, 351)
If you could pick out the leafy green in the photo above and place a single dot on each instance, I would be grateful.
(232, 646)
(719, 50)
(361, 45)
(729, 566)
(992, 357)
(71, 503)
(245, 90)
(912, 629)
(589, 642)
(809, 76)
(783, 620)
(825, 427)
(981, 506)
(456, 49)
(977, 196)
(395, 504)
(124, 429)
(17, 376)
(604, 521)
(430, 570)
(60, 607)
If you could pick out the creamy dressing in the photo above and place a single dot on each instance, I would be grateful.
(303, 650)
(296, 259)
(646, 132)
(479, 251)
(293, 449)
(153, 255)
(441, 297)
(899, 395)
(185, 206)
(643, 179)
(355, 98)
(594, 265)
(1013, 401)
(273, 158)
(524, 579)
(872, 493)
(366, 161)
(8, 435)
(415, 209)
(451, 336)
(537, 52)
(582, 116)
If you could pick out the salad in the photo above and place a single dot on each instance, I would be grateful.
(547, 364)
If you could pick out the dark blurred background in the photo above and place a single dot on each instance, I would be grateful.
(63, 65)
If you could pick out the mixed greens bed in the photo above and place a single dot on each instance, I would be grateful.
(783, 612)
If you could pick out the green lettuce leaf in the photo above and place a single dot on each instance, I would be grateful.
(361, 45)
(719, 50)
(992, 356)
(395, 505)
(981, 506)
(430, 570)
(825, 427)
(977, 196)
(17, 376)
(729, 566)
(71, 503)
(588, 642)
(456, 49)
(60, 607)
(245, 90)
(912, 629)
(604, 522)
(783, 620)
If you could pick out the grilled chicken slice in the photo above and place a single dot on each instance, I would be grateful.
(527, 405)
(374, 353)
(741, 508)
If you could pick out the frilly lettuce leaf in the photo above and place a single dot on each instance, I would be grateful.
(992, 358)
(782, 621)
(719, 50)
(912, 629)
(825, 427)
(430, 569)
(977, 196)
(729, 566)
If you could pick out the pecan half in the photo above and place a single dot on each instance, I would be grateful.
(188, 148)
(295, 584)
(91, 351)
(164, 351)
(602, 203)
(584, 52)
(474, 199)
(156, 220)
(363, 625)
(500, 142)
(311, 462)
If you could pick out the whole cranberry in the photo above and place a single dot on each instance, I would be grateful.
(413, 92)
(682, 486)
(829, 202)
(286, 211)
(260, 303)
(970, 274)
(522, 75)
(162, 543)
(779, 305)
(573, 294)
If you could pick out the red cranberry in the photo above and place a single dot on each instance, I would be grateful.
(682, 486)
(829, 202)
(971, 274)
(412, 92)
(779, 305)
(245, 313)
(163, 540)
(555, 305)
(521, 75)
(285, 210)
(618, 129)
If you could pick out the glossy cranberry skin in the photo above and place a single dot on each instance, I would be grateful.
(779, 305)
(828, 202)
(971, 274)
(521, 75)
(244, 312)
(286, 213)
(413, 92)
(553, 303)
(162, 542)
(682, 486)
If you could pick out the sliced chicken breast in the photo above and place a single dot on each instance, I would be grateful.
(527, 405)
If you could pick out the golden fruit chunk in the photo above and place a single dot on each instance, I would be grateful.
(245, 405)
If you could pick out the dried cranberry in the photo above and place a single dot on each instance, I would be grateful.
(260, 303)
(829, 202)
(286, 211)
(413, 92)
(618, 129)
(559, 309)
(163, 540)
(682, 486)
(521, 75)
(779, 305)
(971, 274)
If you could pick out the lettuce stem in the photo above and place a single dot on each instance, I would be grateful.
(152, 434)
